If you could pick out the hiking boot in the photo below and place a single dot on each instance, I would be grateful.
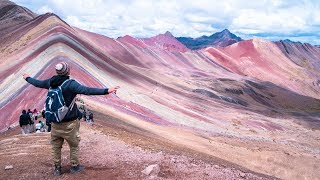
(76, 169)
(57, 171)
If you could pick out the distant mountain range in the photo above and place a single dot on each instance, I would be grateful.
(164, 41)
(221, 39)
(168, 42)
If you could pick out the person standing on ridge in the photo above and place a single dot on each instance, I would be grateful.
(30, 113)
(35, 114)
(68, 128)
(91, 116)
(31, 125)
(39, 127)
(24, 122)
(84, 115)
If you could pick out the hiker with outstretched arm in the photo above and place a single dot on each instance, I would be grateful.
(68, 127)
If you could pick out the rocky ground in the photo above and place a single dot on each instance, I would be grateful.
(110, 150)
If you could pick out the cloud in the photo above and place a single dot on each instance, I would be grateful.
(44, 9)
(268, 21)
(145, 18)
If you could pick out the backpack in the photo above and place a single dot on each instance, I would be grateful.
(91, 116)
(55, 105)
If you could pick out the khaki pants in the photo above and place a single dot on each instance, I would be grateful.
(68, 131)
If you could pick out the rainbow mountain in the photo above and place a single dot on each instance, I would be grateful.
(250, 92)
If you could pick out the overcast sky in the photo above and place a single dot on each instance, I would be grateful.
(297, 20)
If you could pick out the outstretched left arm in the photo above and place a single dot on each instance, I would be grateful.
(80, 89)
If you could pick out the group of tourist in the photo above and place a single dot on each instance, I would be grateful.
(88, 117)
(87, 114)
(29, 122)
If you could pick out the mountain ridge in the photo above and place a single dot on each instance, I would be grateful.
(219, 39)
(164, 41)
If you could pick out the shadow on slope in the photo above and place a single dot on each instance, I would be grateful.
(265, 98)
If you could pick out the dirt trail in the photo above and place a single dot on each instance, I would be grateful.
(108, 152)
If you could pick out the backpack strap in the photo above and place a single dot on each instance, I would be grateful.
(73, 101)
(65, 82)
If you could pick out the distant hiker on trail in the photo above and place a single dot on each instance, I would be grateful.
(35, 114)
(39, 127)
(88, 119)
(68, 127)
(84, 115)
(31, 125)
(30, 113)
(24, 122)
(91, 117)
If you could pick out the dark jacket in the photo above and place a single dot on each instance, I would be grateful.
(70, 89)
(24, 119)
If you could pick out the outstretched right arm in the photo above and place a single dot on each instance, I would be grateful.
(37, 83)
